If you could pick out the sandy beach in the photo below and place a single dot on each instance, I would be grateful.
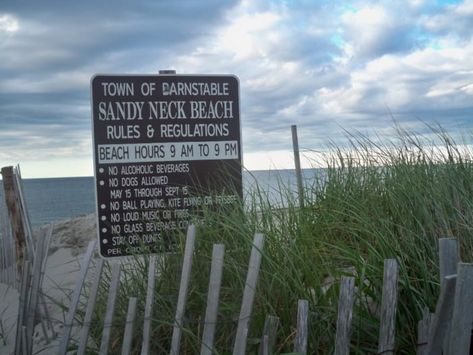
(69, 239)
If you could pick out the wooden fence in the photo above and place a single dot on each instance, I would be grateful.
(23, 262)
(446, 331)
(7, 248)
(449, 328)
(16, 235)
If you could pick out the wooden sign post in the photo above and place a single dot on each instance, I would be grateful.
(14, 211)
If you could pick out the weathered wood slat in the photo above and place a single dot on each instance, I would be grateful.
(297, 165)
(14, 213)
(110, 311)
(43, 326)
(182, 297)
(4, 247)
(387, 328)
(44, 310)
(24, 342)
(345, 315)
(300, 342)
(462, 318)
(270, 331)
(148, 305)
(130, 322)
(211, 312)
(7, 249)
(423, 332)
(248, 295)
(62, 349)
(46, 244)
(46, 314)
(265, 345)
(35, 291)
(442, 317)
(449, 258)
(89, 312)
(22, 305)
(46, 322)
(25, 218)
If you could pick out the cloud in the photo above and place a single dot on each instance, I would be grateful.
(455, 22)
(8, 24)
(49, 52)
(323, 65)
(373, 31)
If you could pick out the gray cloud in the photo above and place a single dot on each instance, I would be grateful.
(322, 65)
(456, 21)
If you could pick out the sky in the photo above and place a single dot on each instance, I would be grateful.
(330, 67)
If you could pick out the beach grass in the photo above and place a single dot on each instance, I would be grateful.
(371, 202)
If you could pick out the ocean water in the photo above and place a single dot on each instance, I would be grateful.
(56, 199)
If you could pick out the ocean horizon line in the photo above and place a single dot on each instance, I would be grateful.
(91, 176)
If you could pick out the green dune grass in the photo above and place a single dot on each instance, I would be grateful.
(374, 202)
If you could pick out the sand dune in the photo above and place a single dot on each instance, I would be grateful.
(69, 240)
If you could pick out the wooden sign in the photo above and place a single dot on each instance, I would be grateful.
(165, 147)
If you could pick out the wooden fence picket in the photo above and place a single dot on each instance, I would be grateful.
(423, 332)
(462, 317)
(22, 305)
(130, 322)
(182, 297)
(148, 305)
(345, 315)
(387, 327)
(448, 258)
(248, 295)
(25, 218)
(211, 312)
(270, 330)
(84, 333)
(24, 342)
(35, 291)
(8, 266)
(300, 342)
(110, 311)
(265, 345)
(44, 310)
(442, 317)
(62, 349)
(14, 213)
